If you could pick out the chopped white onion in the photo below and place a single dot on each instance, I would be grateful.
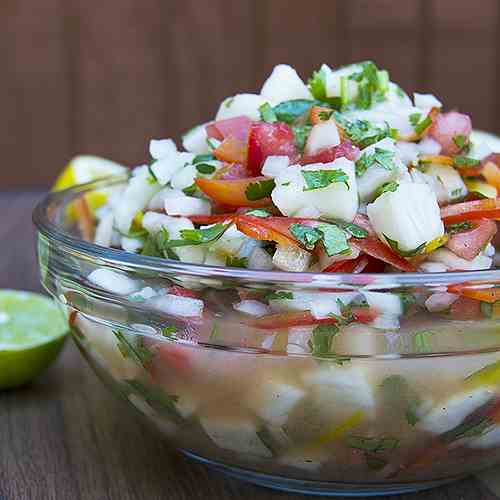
(176, 305)
(252, 308)
(158, 148)
(274, 165)
(104, 230)
(291, 258)
(187, 205)
(440, 301)
(429, 146)
(113, 281)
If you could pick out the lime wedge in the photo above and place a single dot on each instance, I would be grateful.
(32, 332)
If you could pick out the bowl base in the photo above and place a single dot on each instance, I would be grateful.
(318, 488)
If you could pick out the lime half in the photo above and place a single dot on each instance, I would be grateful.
(32, 332)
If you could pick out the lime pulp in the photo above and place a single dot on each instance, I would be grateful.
(32, 332)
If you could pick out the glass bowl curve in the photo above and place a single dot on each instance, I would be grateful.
(377, 397)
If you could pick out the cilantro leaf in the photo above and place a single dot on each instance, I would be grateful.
(372, 84)
(259, 190)
(334, 240)
(203, 158)
(460, 141)
(258, 212)
(397, 394)
(199, 236)
(152, 175)
(387, 187)
(289, 111)
(381, 157)
(308, 236)
(279, 296)
(228, 102)
(205, 168)
(353, 229)
(362, 132)
(168, 331)
(372, 444)
(410, 253)
(267, 113)
(422, 341)
(301, 133)
(190, 190)
(321, 340)
(414, 119)
(318, 89)
(407, 300)
(459, 227)
(232, 261)
(464, 161)
(421, 126)
(317, 179)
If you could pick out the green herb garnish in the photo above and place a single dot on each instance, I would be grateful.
(362, 132)
(232, 261)
(318, 89)
(308, 236)
(321, 340)
(381, 157)
(422, 341)
(334, 239)
(318, 179)
(289, 111)
(372, 444)
(258, 212)
(301, 133)
(169, 331)
(400, 397)
(267, 113)
(259, 190)
(228, 102)
(156, 398)
(410, 253)
(465, 161)
(460, 141)
(353, 229)
(415, 118)
(205, 168)
(459, 227)
(279, 296)
(190, 190)
(133, 349)
(388, 187)
(421, 126)
(203, 158)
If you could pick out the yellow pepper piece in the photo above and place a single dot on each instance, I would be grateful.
(487, 376)
(339, 430)
(436, 243)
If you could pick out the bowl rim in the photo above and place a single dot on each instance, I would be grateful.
(118, 257)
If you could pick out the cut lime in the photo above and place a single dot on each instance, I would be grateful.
(32, 332)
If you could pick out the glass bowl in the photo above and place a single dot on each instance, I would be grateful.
(320, 383)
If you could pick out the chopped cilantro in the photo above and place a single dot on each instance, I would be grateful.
(465, 161)
(150, 248)
(407, 300)
(236, 261)
(199, 236)
(267, 113)
(362, 132)
(301, 133)
(318, 89)
(472, 426)
(168, 331)
(279, 296)
(460, 141)
(373, 462)
(414, 119)
(189, 190)
(133, 349)
(421, 126)
(203, 158)
(334, 240)
(152, 175)
(372, 444)
(410, 253)
(381, 157)
(205, 168)
(289, 111)
(321, 340)
(284, 184)
(317, 179)
(212, 143)
(400, 397)
(258, 212)
(155, 397)
(422, 341)
(308, 236)
(259, 190)
(387, 187)
(487, 309)
(456, 193)
(325, 115)
(228, 102)
(353, 229)
(372, 85)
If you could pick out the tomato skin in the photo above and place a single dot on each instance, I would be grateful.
(236, 127)
(232, 150)
(326, 155)
(269, 139)
(279, 321)
(211, 219)
(448, 125)
(465, 308)
(477, 295)
(468, 244)
(231, 192)
(267, 229)
(471, 210)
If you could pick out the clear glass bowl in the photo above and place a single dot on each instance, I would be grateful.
(373, 409)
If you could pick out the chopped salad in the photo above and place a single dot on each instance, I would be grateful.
(346, 173)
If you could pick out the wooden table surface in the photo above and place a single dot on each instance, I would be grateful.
(66, 438)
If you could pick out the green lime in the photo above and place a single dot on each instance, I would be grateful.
(32, 332)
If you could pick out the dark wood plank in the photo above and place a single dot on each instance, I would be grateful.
(172, 63)
(35, 136)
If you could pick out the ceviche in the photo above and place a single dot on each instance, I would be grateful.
(372, 382)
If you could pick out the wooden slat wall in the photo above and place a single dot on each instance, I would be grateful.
(104, 77)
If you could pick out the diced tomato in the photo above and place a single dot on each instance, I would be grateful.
(305, 318)
(364, 222)
(468, 244)
(232, 192)
(476, 294)
(211, 219)
(374, 247)
(232, 171)
(182, 292)
(267, 229)
(174, 356)
(465, 308)
(269, 139)
(232, 150)
(315, 114)
(446, 126)
(346, 149)
(471, 210)
(347, 266)
(236, 127)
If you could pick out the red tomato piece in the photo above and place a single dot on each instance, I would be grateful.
(471, 210)
(468, 244)
(182, 292)
(236, 127)
(446, 126)
(326, 155)
(269, 139)
(211, 219)
(490, 295)
(232, 150)
(232, 171)
(232, 192)
(465, 308)
(267, 229)
(348, 266)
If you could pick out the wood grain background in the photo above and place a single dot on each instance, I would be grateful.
(105, 77)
